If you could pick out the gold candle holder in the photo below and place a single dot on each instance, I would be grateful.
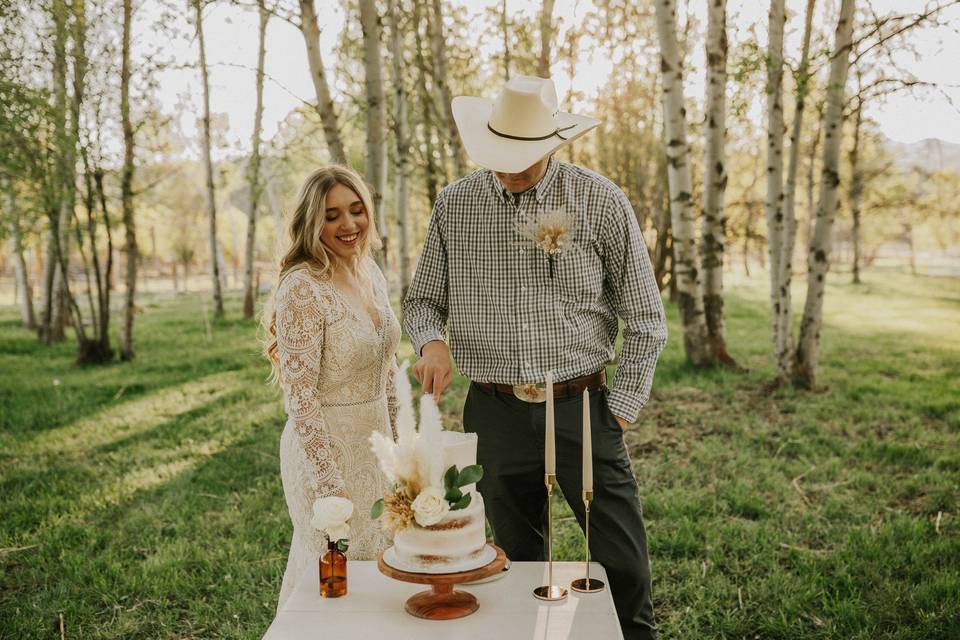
(587, 584)
(550, 591)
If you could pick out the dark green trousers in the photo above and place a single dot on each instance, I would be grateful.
(510, 448)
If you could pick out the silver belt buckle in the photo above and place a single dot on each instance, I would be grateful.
(531, 392)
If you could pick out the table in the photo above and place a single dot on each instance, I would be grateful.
(373, 608)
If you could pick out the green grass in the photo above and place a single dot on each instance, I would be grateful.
(143, 500)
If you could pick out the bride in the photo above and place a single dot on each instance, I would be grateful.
(332, 340)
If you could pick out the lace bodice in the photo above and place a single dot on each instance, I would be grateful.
(331, 355)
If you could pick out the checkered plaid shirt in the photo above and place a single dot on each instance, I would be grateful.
(512, 317)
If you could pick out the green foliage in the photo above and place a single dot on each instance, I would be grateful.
(470, 475)
(450, 477)
(462, 503)
(454, 480)
(377, 509)
(143, 500)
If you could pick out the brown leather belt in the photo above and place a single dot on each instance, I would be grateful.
(561, 390)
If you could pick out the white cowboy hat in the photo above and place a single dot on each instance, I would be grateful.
(519, 128)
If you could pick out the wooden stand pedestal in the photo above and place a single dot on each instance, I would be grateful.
(442, 601)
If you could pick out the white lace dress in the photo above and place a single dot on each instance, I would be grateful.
(337, 366)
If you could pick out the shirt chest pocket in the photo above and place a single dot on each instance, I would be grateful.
(579, 274)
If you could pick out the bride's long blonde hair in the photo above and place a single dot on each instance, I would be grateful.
(306, 250)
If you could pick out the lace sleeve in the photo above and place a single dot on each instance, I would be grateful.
(300, 325)
(392, 373)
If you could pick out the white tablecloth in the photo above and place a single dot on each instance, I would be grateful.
(373, 608)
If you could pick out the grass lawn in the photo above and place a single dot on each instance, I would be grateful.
(143, 500)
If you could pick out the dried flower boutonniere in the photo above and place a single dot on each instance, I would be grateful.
(552, 231)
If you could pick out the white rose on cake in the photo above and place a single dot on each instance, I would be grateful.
(430, 506)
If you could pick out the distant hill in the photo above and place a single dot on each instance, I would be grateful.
(931, 154)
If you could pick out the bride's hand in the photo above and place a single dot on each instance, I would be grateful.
(433, 369)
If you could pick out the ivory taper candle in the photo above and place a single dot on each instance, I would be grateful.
(587, 444)
(549, 446)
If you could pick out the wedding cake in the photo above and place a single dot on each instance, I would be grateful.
(433, 512)
(458, 542)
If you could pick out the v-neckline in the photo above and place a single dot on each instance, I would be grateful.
(361, 314)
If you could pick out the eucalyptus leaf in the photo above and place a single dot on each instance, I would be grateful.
(450, 477)
(377, 509)
(462, 503)
(452, 495)
(342, 545)
(469, 475)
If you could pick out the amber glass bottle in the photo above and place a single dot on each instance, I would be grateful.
(333, 572)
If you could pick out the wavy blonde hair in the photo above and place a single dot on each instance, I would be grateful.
(306, 250)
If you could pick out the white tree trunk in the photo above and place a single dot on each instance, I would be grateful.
(67, 123)
(401, 149)
(376, 120)
(439, 45)
(811, 177)
(130, 248)
(686, 260)
(430, 171)
(328, 116)
(279, 239)
(104, 279)
(79, 55)
(911, 246)
(546, 35)
(505, 33)
(715, 177)
(785, 352)
(222, 267)
(215, 268)
(49, 284)
(818, 260)
(51, 327)
(22, 278)
(774, 199)
(856, 189)
(253, 176)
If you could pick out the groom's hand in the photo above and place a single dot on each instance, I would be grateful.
(433, 369)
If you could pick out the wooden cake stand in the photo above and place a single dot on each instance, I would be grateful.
(441, 601)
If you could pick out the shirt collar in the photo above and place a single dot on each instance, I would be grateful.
(541, 189)
(497, 186)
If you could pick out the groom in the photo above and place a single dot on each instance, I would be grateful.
(531, 262)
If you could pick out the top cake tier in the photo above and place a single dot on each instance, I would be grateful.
(460, 449)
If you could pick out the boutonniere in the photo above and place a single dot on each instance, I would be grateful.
(552, 232)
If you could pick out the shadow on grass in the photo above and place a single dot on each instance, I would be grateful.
(47, 391)
(178, 554)
(66, 480)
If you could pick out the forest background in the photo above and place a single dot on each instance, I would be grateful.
(794, 167)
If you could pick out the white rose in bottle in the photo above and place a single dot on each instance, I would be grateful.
(331, 511)
(430, 507)
(339, 531)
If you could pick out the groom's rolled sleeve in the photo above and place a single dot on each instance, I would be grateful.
(425, 308)
(636, 299)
